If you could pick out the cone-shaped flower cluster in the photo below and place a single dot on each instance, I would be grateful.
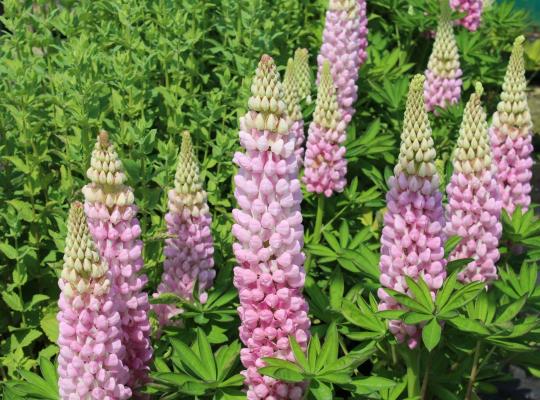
(269, 237)
(325, 163)
(303, 74)
(412, 237)
(474, 206)
(115, 228)
(291, 98)
(91, 351)
(443, 75)
(189, 250)
(344, 45)
(473, 11)
(511, 135)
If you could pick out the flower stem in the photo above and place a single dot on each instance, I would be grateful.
(423, 392)
(316, 237)
(474, 372)
(412, 360)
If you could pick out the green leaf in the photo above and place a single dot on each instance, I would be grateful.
(457, 265)
(451, 243)
(511, 310)
(413, 318)
(187, 357)
(8, 250)
(166, 298)
(320, 391)
(48, 371)
(282, 374)
(337, 287)
(469, 325)
(431, 334)
(371, 384)
(299, 355)
(462, 296)
(205, 352)
(329, 350)
(49, 325)
(421, 292)
(13, 301)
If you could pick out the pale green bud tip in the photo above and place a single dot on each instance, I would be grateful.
(103, 139)
(327, 112)
(76, 214)
(187, 145)
(301, 54)
(478, 89)
(417, 85)
(519, 41)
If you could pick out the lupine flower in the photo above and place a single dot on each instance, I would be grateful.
(109, 206)
(443, 75)
(189, 249)
(511, 135)
(325, 163)
(269, 238)
(473, 11)
(474, 206)
(412, 237)
(291, 98)
(91, 351)
(344, 45)
(303, 74)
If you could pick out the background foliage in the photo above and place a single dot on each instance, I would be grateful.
(145, 71)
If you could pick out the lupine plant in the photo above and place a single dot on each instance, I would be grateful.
(511, 135)
(472, 10)
(148, 71)
(189, 250)
(443, 74)
(291, 97)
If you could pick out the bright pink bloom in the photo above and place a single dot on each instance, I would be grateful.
(189, 250)
(325, 163)
(115, 229)
(344, 46)
(511, 135)
(473, 11)
(474, 205)
(291, 96)
(91, 351)
(269, 237)
(443, 75)
(412, 242)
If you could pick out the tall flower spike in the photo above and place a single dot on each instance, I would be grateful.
(115, 228)
(291, 98)
(269, 238)
(511, 135)
(412, 237)
(303, 74)
(189, 249)
(443, 75)
(474, 206)
(325, 163)
(472, 9)
(91, 351)
(344, 45)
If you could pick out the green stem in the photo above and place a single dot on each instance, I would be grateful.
(316, 237)
(474, 372)
(412, 360)
(425, 381)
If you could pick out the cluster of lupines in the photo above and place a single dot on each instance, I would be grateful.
(443, 75)
(269, 233)
(91, 351)
(189, 249)
(344, 46)
(474, 205)
(303, 74)
(473, 11)
(511, 135)
(109, 206)
(325, 163)
(412, 242)
(291, 97)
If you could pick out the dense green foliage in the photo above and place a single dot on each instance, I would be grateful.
(145, 71)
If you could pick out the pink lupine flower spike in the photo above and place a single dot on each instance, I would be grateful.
(189, 249)
(269, 238)
(474, 205)
(511, 135)
(412, 237)
(109, 206)
(90, 362)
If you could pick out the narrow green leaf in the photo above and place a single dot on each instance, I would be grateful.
(431, 334)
